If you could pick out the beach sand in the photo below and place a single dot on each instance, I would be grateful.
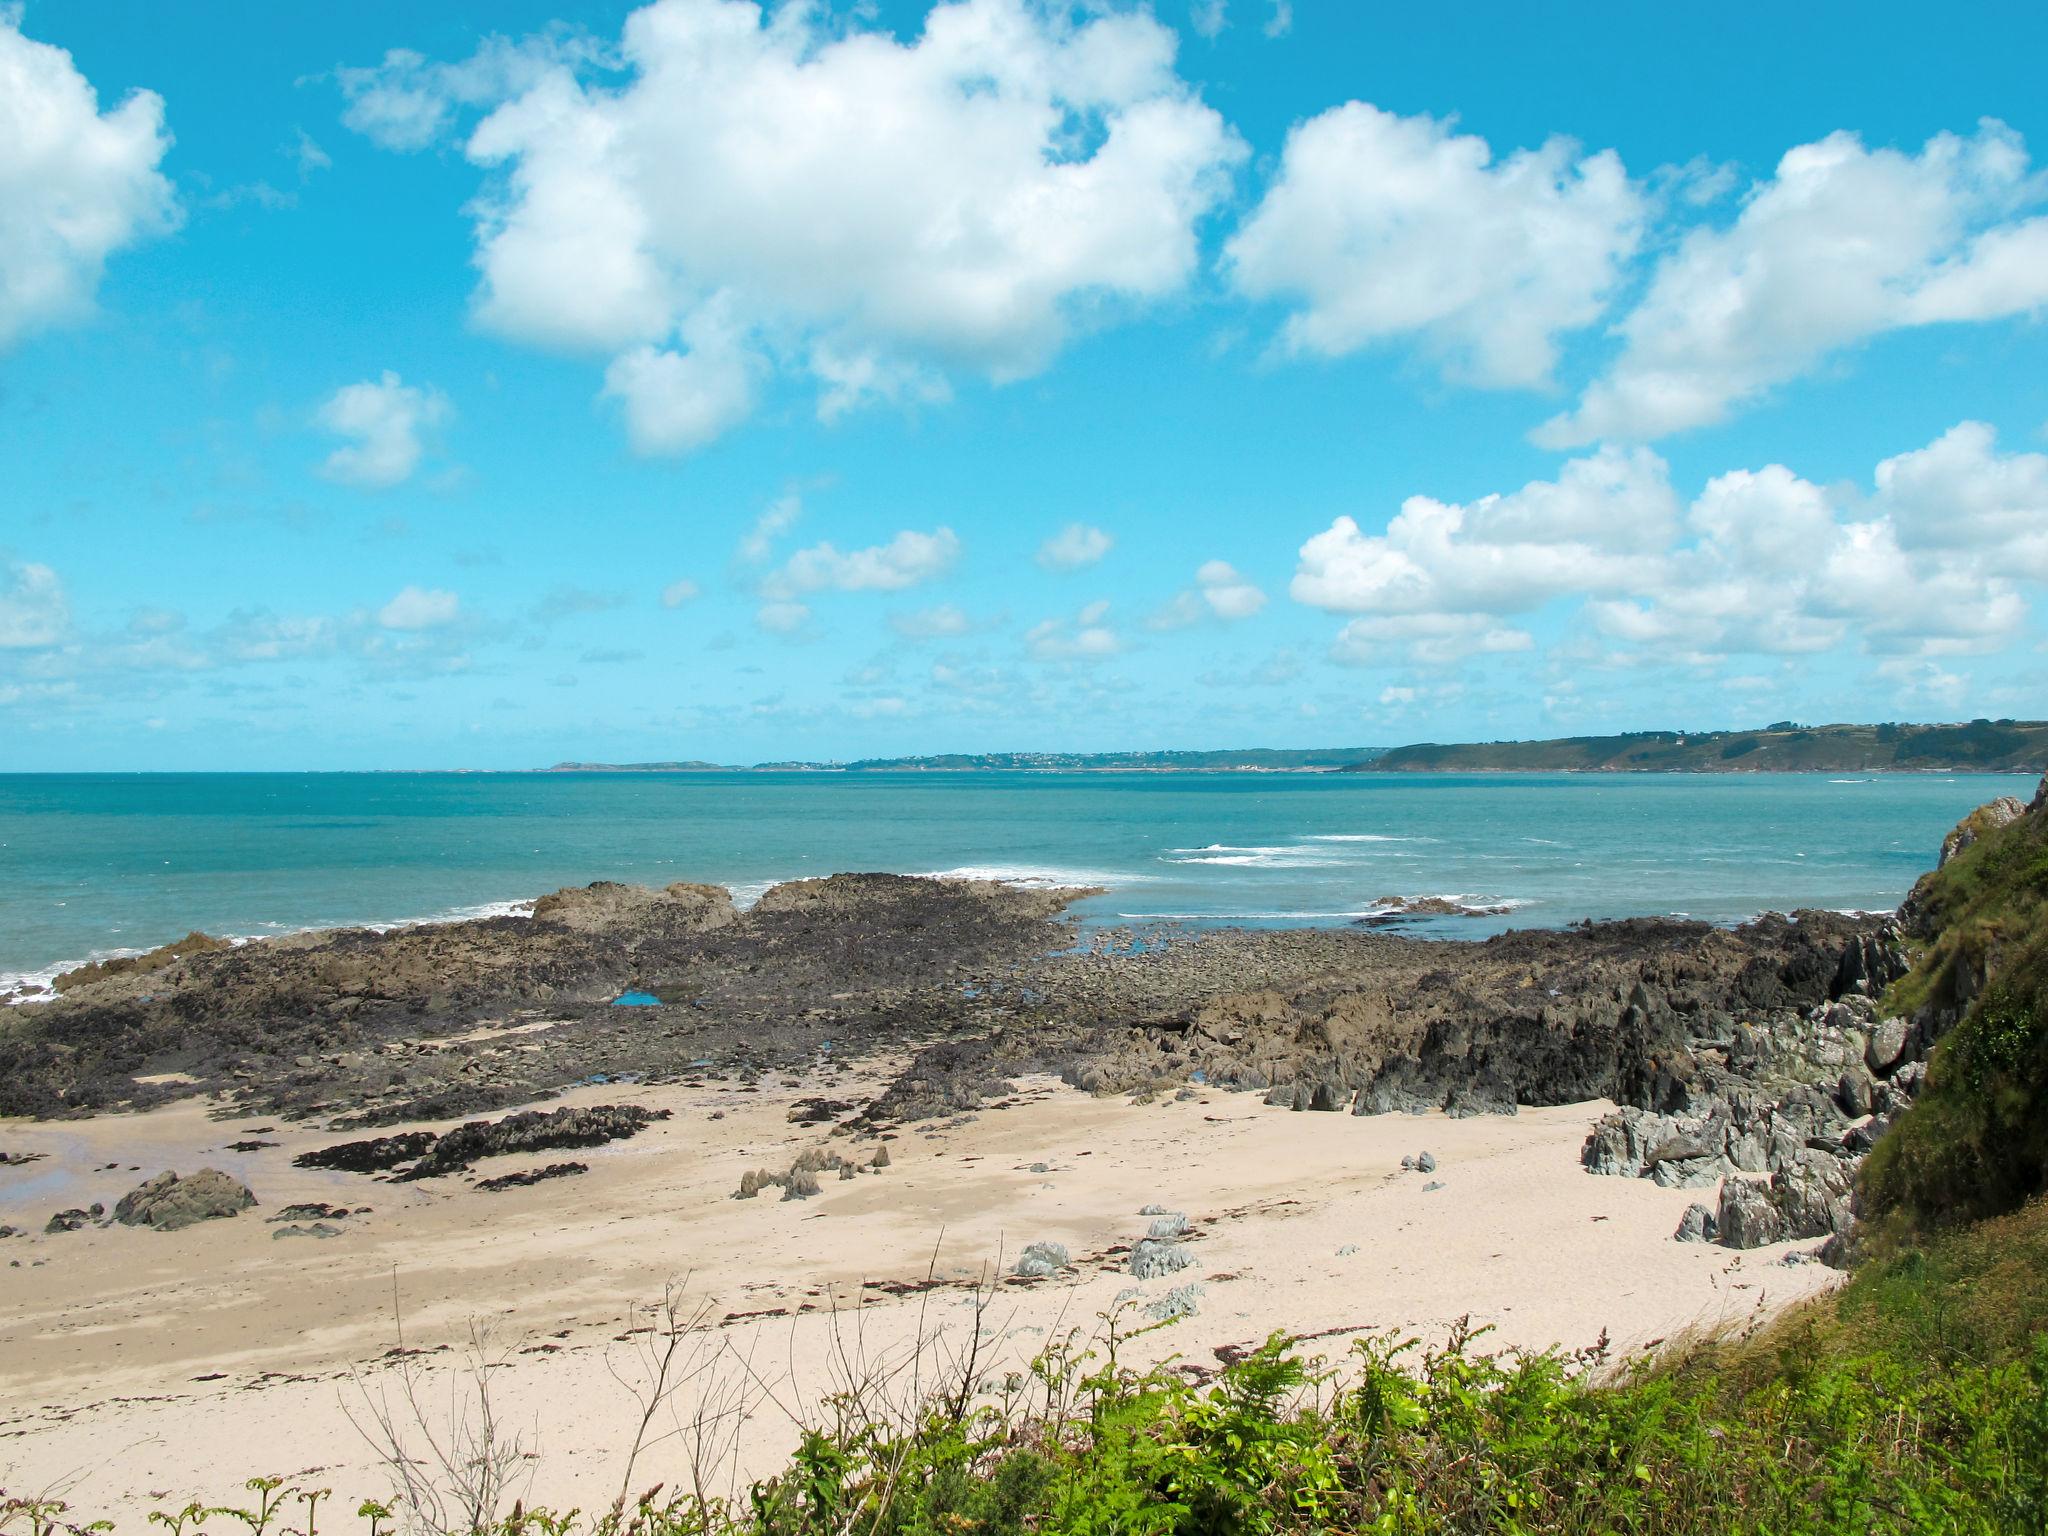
(142, 1363)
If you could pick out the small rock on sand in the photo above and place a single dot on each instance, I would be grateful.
(1154, 1257)
(1041, 1259)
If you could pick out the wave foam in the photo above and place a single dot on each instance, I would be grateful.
(1040, 876)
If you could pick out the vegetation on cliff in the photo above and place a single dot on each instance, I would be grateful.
(1981, 746)
(1976, 1143)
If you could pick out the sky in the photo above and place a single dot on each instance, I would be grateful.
(388, 386)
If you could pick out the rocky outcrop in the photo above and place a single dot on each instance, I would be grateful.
(2001, 812)
(609, 907)
(147, 963)
(378, 1028)
(168, 1202)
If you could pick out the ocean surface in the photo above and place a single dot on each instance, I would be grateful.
(98, 864)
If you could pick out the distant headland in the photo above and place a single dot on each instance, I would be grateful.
(1975, 746)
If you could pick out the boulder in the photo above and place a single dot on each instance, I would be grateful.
(1697, 1225)
(73, 1220)
(1425, 1163)
(1168, 1224)
(1852, 1092)
(168, 1202)
(1886, 1046)
(1748, 1218)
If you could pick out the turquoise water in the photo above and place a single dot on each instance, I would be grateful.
(91, 864)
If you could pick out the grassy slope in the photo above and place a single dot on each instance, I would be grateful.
(1976, 1142)
(1983, 745)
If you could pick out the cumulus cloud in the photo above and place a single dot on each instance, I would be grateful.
(76, 183)
(1085, 637)
(1842, 243)
(678, 592)
(1381, 227)
(1219, 593)
(1933, 561)
(1073, 547)
(782, 618)
(905, 561)
(1601, 526)
(874, 212)
(34, 611)
(387, 419)
(1959, 493)
(420, 608)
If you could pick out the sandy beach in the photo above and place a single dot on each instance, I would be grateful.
(144, 1365)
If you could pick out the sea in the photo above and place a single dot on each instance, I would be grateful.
(93, 865)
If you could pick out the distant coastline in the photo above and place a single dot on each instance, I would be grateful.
(1976, 746)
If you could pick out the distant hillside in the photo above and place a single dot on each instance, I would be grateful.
(1250, 760)
(1980, 746)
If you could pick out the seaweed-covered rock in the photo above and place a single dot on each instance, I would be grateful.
(532, 1176)
(168, 1202)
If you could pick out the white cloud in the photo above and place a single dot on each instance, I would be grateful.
(1841, 244)
(1934, 562)
(386, 419)
(1281, 21)
(678, 400)
(679, 592)
(872, 211)
(1958, 493)
(34, 612)
(905, 561)
(407, 101)
(1085, 637)
(776, 519)
(1209, 17)
(1219, 592)
(942, 622)
(1073, 547)
(1380, 226)
(1602, 526)
(420, 608)
(1426, 639)
(76, 184)
(782, 618)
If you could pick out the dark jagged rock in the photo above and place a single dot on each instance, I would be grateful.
(312, 1210)
(532, 1131)
(533, 1176)
(74, 1219)
(1697, 1225)
(377, 1155)
(168, 1202)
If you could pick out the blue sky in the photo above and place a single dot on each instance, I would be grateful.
(389, 386)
